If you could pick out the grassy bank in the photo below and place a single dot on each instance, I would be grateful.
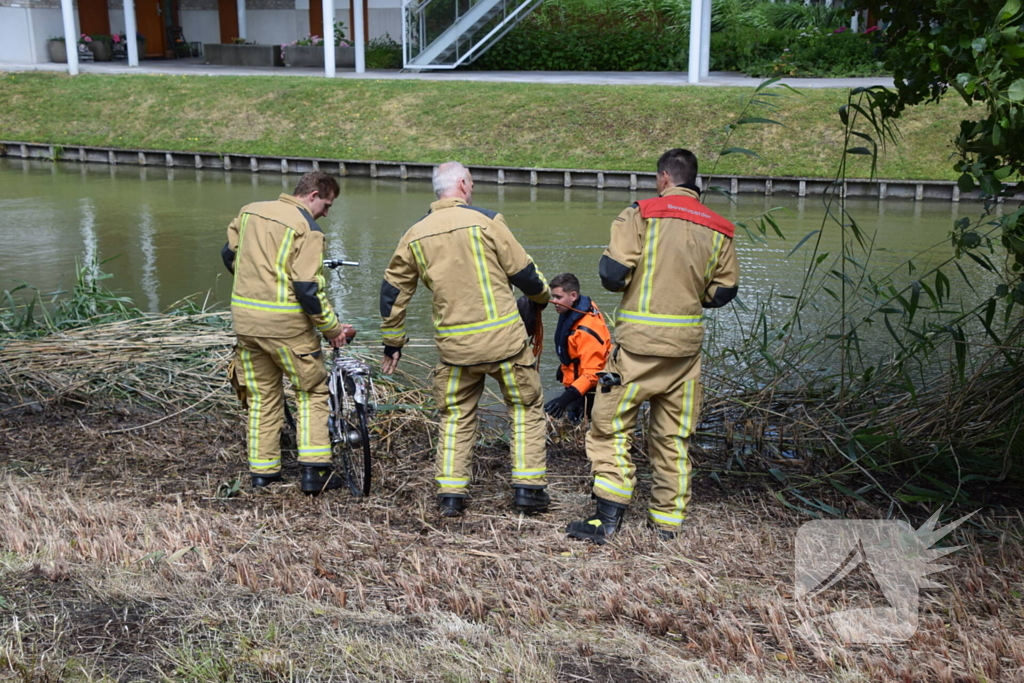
(599, 127)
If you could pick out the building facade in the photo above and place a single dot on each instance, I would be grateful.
(27, 25)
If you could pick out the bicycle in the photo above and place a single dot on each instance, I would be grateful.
(350, 398)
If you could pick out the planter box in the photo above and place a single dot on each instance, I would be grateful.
(101, 51)
(313, 57)
(58, 51)
(227, 54)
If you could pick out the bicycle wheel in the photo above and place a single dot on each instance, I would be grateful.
(354, 450)
(364, 437)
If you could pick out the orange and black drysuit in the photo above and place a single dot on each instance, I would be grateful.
(469, 259)
(671, 257)
(279, 309)
(582, 342)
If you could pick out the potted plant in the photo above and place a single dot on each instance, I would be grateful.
(120, 45)
(57, 49)
(102, 46)
(309, 51)
(84, 46)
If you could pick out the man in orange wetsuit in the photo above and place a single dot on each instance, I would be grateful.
(582, 342)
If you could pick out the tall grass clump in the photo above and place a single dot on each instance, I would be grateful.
(26, 312)
(932, 416)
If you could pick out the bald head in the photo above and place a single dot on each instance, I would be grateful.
(452, 179)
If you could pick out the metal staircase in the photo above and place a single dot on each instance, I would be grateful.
(442, 34)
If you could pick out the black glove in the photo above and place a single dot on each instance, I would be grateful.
(556, 407)
(393, 351)
(529, 311)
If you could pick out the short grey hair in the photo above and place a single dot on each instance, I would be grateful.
(447, 176)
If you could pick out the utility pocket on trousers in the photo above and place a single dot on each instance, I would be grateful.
(528, 382)
(606, 406)
(237, 383)
(304, 362)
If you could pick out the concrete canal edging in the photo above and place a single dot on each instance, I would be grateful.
(917, 190)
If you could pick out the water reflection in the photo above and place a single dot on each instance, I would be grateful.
(163, 228)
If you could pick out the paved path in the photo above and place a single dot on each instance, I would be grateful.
(178, 67)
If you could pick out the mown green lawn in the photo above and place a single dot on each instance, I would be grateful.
(534, 125)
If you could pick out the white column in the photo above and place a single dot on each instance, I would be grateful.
(855, 22)
(357, 27)
(67, 11)
(328, 14)
(242, 33)
(130, 32)
(705, 39)
(696, 29)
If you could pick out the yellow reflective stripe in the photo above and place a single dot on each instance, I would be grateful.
(452, 482)
(620, 438)
(392, 331)
(281, 264)
(483, 276)
(301, 397)
(528, 474)
(718, 239)
(421, 261)
(658, 320)
(519, 416)
(474, 328)
(608, 486)
(451, 422)
(329, 322)
(686, 418)
(650, 258)
(263, 464)
(664, 518)
(255, 406)
(258, 305)
(238, 251)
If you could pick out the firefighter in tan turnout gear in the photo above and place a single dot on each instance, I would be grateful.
(279, 310)
(469, 259)
(671, 257)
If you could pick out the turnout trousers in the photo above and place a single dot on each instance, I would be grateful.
(672, 385)
(458, 389)
(261, 362)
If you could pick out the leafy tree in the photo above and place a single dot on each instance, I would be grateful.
(974, 47)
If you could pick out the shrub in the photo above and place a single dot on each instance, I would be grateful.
(383, 53)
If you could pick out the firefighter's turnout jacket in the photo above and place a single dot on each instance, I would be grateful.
(582, 342)
(279, 308)
(275, 249)
(671, 257)
(469, 259)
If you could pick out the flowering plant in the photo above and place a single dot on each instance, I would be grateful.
(84, 39)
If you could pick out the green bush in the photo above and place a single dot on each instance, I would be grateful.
(752, 36)
(383, 53)
(748, 49)
(592, 43)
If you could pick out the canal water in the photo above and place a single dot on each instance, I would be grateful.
(159, 233)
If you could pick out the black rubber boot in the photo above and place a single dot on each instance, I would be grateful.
(319, 478)
(261, 480)
(601, 526)
(451, 506)
(531, 500)
(664, 534)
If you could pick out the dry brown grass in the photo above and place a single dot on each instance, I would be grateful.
(119, 562)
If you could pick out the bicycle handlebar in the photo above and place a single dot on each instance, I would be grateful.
(333, 263)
